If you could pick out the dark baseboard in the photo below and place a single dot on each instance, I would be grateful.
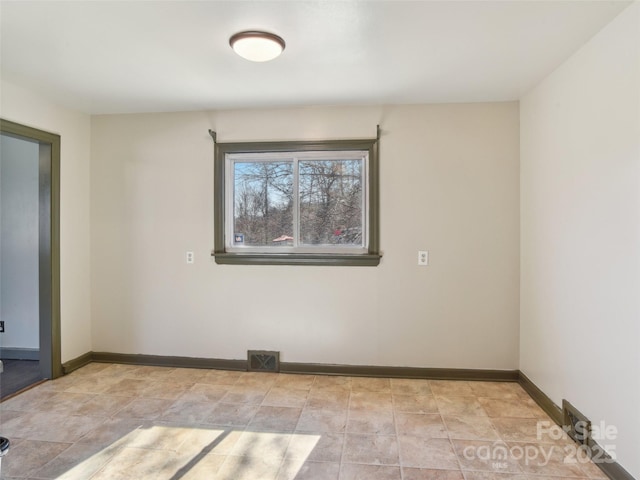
(20, 353)
(77, 363)
(609, 467)
(550, 408)
(400, 372)
(164, 361)
(298, 368)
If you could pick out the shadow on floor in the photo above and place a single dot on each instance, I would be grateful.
(18, 374)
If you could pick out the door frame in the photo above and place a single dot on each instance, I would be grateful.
(49, 242)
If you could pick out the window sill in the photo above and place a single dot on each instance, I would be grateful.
(356, 260)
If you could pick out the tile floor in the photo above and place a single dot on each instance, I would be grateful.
(108, 421)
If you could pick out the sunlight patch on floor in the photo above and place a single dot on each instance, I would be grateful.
(196, 452)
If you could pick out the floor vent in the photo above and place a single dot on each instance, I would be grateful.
(577, 426)
(263, 361)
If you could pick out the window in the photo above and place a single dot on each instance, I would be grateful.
(313, 203)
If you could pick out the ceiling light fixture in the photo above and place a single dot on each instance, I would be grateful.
(257, 46)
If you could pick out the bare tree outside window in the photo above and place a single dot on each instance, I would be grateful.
(331, 202)
(263, 197)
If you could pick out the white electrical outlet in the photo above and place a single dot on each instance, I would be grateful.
(189, 257)
(423, 258)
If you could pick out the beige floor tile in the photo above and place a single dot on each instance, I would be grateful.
(205, 392)
(470, 428)
(79, 461)
(323, 382)
(322, 420)
(158, 436)
(294, 381)
(479, 455)
(64, 402)
(592, 470)
(410, 386)
(285, 397)
(28, 456)
(264, 380)
(136, 464)
(302, 445)
(554, 477)
(28, 401)
(278, 419)
(144, 408)
(188, 376)
(523, 430)
(165, 390)
(378, 422)
(372, 401)
(370, 449)
(261, 444)
(103, 406)
(430, 474)
(425, 452)
(9, 415)
(297, 470)
(545, 459)
(50, 427)
(209, 440)
(249, 394)
(535, 408)
(507, 407)
(498, 390)
(369, 472)
(114, 431)
(495, 476)
(220, 377)
(148, 372)
(460, 405)
(114, 370)
(196, 468)
(249, 468)
(329, 399)
(415, 403)
(92, 384)
(188, 411)
(130, 387)
(365, 384)
(62, 383)
(93, 369)
(420, 425)
(325, 447)
(328, 449)
(237, 415)
(449, 387)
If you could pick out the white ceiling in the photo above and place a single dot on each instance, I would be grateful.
(150, 56)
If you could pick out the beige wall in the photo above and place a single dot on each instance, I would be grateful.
(22, 106)
(449, 185)
(580, 216)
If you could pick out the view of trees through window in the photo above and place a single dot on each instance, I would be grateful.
(326, 202)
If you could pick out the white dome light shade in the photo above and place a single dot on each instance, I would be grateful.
(257, 46)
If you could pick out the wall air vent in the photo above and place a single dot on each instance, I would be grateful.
(263, 361)
(577, 426)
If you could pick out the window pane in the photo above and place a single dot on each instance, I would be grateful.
(331, 202)
(263, 204)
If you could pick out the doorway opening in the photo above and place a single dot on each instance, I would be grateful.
(29, 256)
